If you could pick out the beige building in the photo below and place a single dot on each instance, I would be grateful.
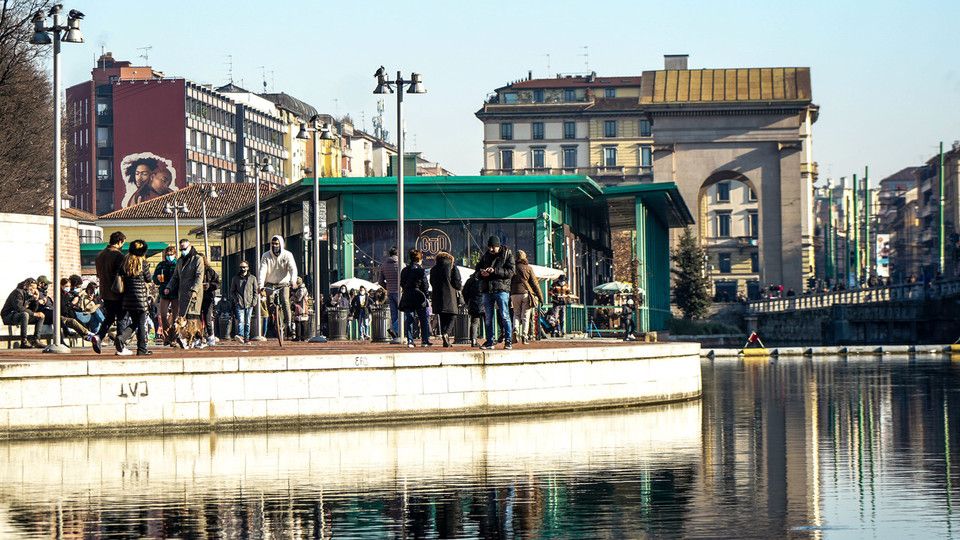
(737, 143)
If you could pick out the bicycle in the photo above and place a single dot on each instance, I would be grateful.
(273, 292)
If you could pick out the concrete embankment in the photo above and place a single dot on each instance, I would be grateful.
(50, 398)
(829, 351)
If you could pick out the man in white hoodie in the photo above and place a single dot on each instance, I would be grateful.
(277, 267)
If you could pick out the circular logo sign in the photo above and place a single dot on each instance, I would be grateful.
(433, 241)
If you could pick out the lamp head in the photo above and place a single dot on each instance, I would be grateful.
(73, 34)
(416, 84)
(213, 192)
(184, 209)
(326, 133)
(266, 166)
(167, 209)
(304, 132)
(40, 35)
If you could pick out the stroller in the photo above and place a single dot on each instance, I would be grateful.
(550, 321)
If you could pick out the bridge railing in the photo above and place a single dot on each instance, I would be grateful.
(895, 293)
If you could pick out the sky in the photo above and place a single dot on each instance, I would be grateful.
(885, 74)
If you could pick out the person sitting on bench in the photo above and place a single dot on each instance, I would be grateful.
(21, 309)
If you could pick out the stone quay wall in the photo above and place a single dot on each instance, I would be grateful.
(52, 398)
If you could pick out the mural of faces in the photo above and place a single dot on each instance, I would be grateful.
(147, 176)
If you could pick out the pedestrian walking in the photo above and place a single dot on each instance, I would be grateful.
(187, 281)
(473, 297)
(300, 299)
(413, 299)
(135, 273)
(211, 284)
(168, 301)
(243, 294)
(108, 265)
(495, 271)
(390, 281)
(525, 296)
(361, 312)
(445, 296)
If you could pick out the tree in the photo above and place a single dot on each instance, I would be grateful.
(690, 282)
(26, 113)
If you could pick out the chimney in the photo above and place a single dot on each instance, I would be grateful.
(529, 74)
(675, 61)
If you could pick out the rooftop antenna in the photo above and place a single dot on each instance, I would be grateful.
(586, 56)
(263, 77)
(363, 119)
(548, 63)
(145, 54)
(336, 107)
(230, 68)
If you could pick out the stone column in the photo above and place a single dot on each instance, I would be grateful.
(791, 212)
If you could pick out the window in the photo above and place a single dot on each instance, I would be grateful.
(723, 224)
(216, 253)
(569, 130)
(723, 260)
(754, 224)
(754, 262)
(103, 169)
(537, 156)
(536, 130)
(510, 97)
(570, 158)
(193, 138)
(103, 137)
(506, 159)
(646, 157)
(506, 131)
(538, 96)
(723, 192)
(751, 195)
(610, 128)
(609, 92)
(645, 127)
(569, 94)
(610, 156)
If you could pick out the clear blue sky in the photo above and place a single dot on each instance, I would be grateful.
(886, 74)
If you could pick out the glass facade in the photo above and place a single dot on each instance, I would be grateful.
(464, 240)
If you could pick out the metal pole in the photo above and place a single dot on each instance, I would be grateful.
(400, 208)
(828, 239)
(57, 346)
(258, 333)
(869, 248)
(316, 237)
(206, 242)
(941, 239)
(856, 232)
(176, 223)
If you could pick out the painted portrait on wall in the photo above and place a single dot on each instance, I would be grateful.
(146, 176)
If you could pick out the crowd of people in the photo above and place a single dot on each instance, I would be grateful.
(176, 303)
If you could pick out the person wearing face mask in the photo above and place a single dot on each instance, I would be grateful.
(278, 267)
(187, 282)
(243, 294)
(162, 275)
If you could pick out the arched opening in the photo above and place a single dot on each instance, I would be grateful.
(728, 224)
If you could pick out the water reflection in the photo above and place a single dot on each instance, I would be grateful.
(794, 448)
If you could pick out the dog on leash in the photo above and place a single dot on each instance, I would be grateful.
(187, 332)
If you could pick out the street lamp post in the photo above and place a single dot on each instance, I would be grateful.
(386, 86)
(262, 165)
(207, 191)
(175, 208)
(319, 133)
(41, 36)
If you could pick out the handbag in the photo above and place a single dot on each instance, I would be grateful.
(117, 285)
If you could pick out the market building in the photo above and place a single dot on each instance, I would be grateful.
(561, 221)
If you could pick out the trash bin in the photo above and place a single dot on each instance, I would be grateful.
(224, 326)
(380, 324)
(337, 324)
(461, 326)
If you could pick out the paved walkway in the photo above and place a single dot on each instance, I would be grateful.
(270, 347)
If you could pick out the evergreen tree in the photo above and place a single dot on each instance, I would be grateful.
(690, 282)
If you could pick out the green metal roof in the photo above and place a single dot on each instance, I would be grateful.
(581, 184)
(152, 247)
(663, 199)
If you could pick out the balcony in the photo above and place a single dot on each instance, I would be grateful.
(747, 241)
(105, 118)
(618, 172)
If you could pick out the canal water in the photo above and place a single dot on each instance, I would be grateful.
(826, 448)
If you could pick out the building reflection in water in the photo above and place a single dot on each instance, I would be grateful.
(793, 448)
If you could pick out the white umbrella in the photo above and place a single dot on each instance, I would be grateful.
(614, 287)
(545, 272)
(354, 284)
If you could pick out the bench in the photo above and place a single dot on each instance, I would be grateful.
(11, 335)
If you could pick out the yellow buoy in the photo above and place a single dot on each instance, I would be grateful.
(758, 352)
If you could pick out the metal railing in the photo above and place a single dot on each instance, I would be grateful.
(896, 293)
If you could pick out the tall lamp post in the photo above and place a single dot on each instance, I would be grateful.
(386, 86)
(259, 165)
(41, 36)
(207, 191)
(175, 208)
(320, 133)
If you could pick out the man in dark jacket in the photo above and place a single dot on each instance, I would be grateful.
(243, 294)
(413, 298)
(211, 284)
(168, 302)
(20, 310)
(108, 268)
(389, 279)
(495, 272)
(187, 281)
